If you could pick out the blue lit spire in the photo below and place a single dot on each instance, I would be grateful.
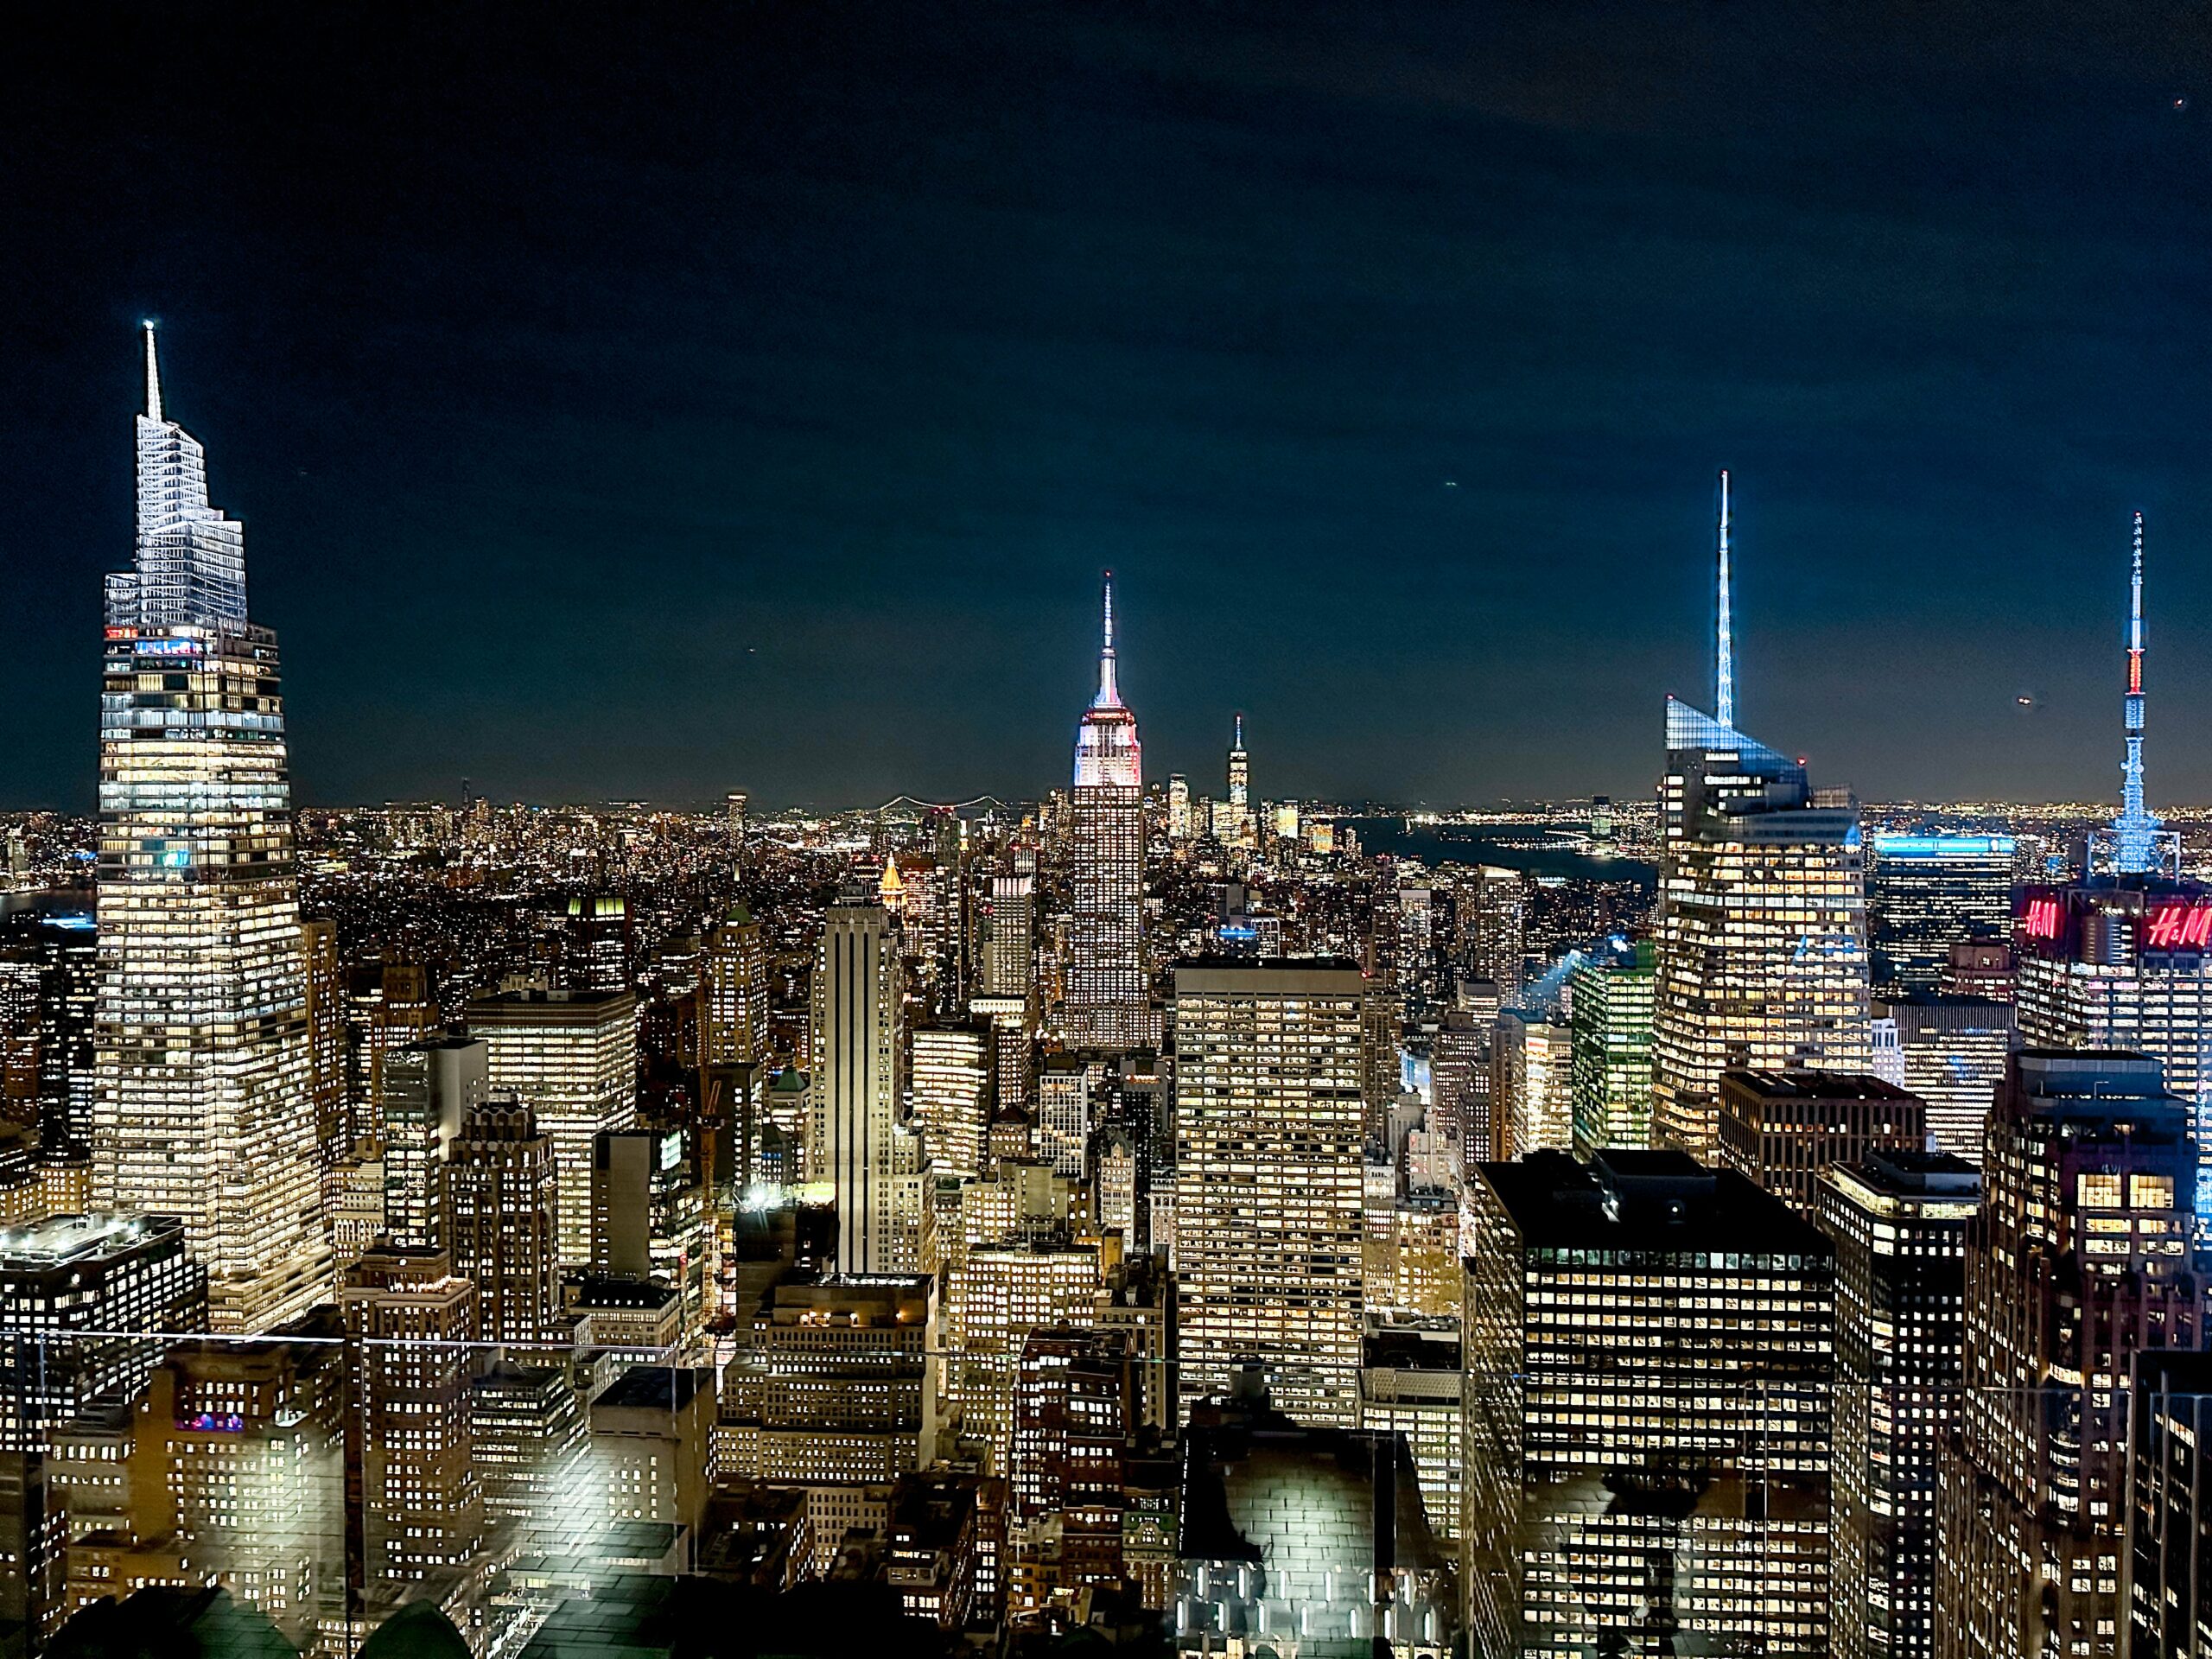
(1724, 686)
(2135, 831)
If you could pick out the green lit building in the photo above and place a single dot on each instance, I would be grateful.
(1610, 1045)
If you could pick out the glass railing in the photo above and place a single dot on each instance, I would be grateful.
(315, 1492)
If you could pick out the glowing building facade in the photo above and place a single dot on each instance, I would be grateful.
(572, 1058)
(1926, 893)
(2078, 1258)
(853, 1142)
(1646, 1411)
(203, 1066)
(1761, 937)
(733, 1013)
(1268, 1209)
(1105, 1000)
(1899, 1221)
(1609, 1017)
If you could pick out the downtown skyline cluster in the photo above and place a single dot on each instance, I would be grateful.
(1743, 1221)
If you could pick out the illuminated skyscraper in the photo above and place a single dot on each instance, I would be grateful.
(1899, 1221)
(1106, 1003)
(1492, 926)
(499, 1196)
(203, 1064)
(1646, 1411)
(1006, 988)
(413, 1321)
(2078, 1258)
(326, 991)
(1268, 1205)
(1783, 1130)
(1953, 1050)
(1532, 1083)
(853, 1141)
(1179, 807)
(733, 1023)
(429, 1088)
(2169, 1580)
(2123, 958)
(952, 1095)
(1761, 933)
(595, 954)
(734, 804)
(572, 1058)
(1238, 807)
(1926, 893)
(1611, 1048)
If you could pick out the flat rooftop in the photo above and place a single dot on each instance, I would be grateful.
(1663, 1201)
(59, 1239)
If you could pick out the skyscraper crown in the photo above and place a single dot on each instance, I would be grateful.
(188, 564)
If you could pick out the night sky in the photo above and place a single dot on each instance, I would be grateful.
(750, 396)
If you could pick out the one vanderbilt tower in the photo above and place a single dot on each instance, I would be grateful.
(202, 1106)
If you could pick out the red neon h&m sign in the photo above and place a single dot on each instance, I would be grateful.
(2180, 925)
(2041, 919)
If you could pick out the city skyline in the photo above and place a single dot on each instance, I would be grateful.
(1592, 1124)
(1500, 352)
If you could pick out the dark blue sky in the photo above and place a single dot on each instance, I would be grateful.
(750, 396)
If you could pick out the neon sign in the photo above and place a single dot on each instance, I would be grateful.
(2181, 925)
(2041, 921)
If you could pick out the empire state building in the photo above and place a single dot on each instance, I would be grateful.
(1105, 1001)
(202, 1105)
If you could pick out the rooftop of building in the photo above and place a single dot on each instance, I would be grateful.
(653, 1387)
(1913, 1172)
(60, 1240)
(2173, 1370)
(1940, 1001)
(533, 1002)
(1287, 977)
(606, 1290)
(1259, 1487)
(1408, 1348)
(1648, 1201)
(893, 1297)
(1808, 1085)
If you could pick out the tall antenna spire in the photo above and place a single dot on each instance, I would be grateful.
(1723, 679)
(1108, 697)
(153, 375)
(2135, 831)
(1239, 743)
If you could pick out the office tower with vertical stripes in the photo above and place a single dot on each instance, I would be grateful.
(859, 1048)
(203, 1062)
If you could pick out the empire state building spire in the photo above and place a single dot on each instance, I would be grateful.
(1106, 750)
(1108, 696)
